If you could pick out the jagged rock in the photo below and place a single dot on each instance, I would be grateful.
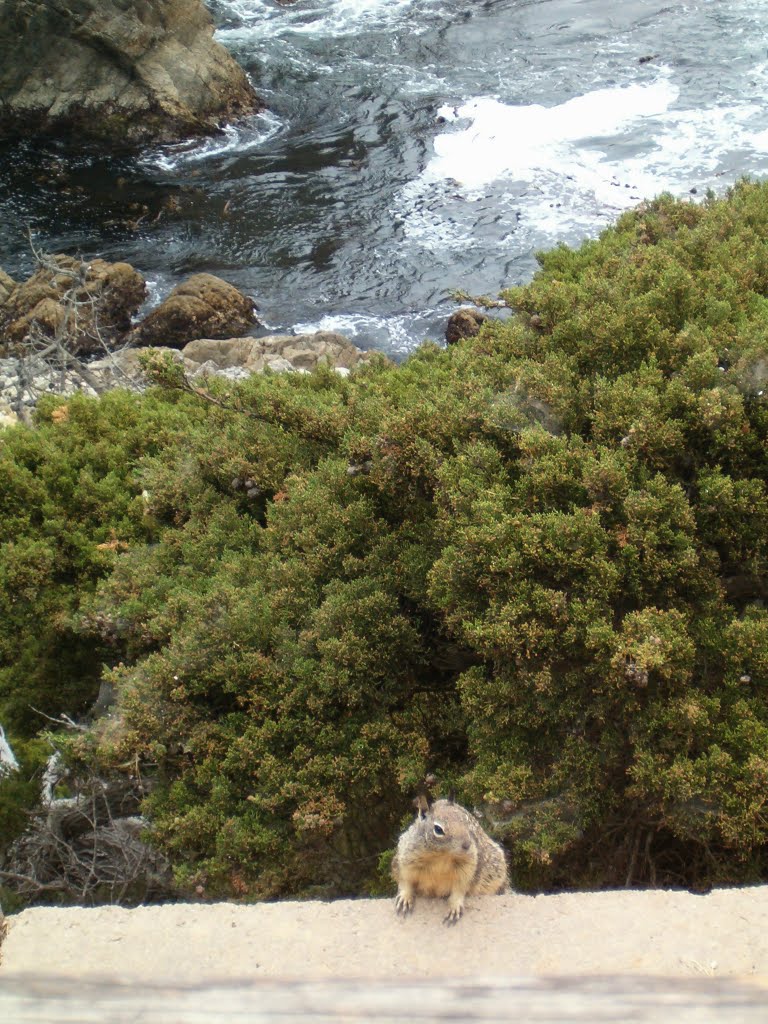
(204, 306)
(305, 351)
(279, 364)
(237, 358)
(91, 302)
(223, 353)
(209, 369)
(8, 762)
(464, 323)
(148, 70)
(22, 383)
(277, 352)
(123, 368)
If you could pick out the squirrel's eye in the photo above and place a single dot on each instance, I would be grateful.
(439, 830)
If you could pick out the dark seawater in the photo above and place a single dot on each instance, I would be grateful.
(412, 148)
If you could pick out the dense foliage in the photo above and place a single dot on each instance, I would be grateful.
(534, 564)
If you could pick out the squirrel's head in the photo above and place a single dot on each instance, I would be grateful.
(443, 826)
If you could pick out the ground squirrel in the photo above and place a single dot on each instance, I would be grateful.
(445, 852)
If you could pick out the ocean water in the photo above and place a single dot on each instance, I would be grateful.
(410, 149)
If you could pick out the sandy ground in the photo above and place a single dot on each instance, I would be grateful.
(720, 935)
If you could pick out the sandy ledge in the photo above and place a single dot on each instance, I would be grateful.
(720, 935)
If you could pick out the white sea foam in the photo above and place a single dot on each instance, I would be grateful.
(392, 334)
(561, 167)
(321, 18)
(234, 140)
(519, 141)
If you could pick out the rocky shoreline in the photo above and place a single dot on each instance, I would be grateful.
(74, 327)
(23, 379)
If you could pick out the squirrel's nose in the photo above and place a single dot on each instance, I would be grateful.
(466, 844)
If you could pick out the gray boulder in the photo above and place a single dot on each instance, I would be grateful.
(238, 358)
(123, 71)
(276, 352)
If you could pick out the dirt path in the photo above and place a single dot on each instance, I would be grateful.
(721, 935)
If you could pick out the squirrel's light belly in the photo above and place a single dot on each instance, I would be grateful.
(437, 875)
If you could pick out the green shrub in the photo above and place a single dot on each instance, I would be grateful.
(533, 564)
(70, 502)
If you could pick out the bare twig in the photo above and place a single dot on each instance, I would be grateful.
(63, 719)
(88, 848)
(54, 348)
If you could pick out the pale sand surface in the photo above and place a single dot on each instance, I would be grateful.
(721, 935)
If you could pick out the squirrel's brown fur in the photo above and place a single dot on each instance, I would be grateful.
(445, 852)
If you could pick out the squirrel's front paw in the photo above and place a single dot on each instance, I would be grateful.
(403, 904)
(454, 915)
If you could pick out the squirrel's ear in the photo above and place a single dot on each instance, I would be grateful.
(452, 796)
(422, 806)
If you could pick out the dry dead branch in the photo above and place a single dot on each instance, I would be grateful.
(89, 848)
(52, 349)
